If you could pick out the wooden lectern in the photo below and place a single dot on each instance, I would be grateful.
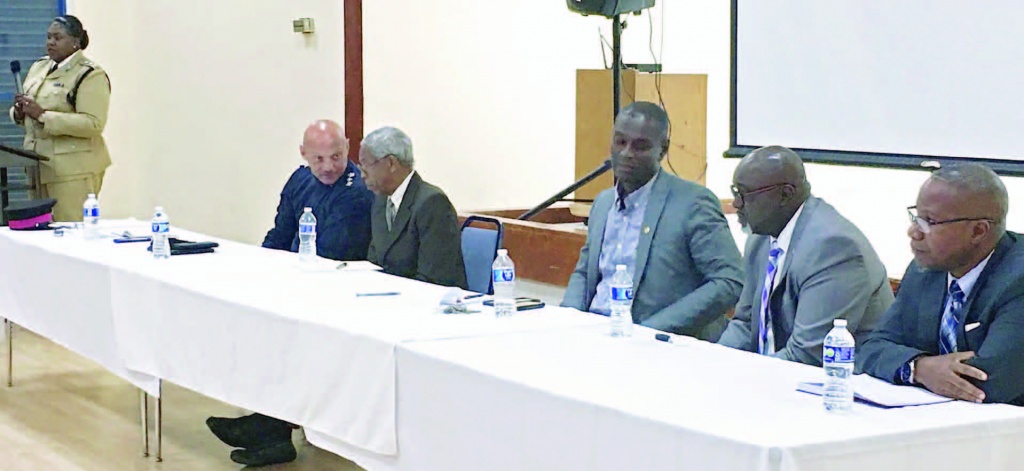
(686, 101)
(11, 157)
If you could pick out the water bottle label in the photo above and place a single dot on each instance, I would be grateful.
(622, 294)
(503, 274)
(838, 354)
(161, 227)
(91, 212)
(307, 228)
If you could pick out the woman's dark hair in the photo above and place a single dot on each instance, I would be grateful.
(73, 26)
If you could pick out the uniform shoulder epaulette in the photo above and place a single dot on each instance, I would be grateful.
(42, 59)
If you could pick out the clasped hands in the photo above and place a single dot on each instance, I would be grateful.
(24, 106)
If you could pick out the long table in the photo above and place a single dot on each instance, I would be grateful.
(579, 399)
(391, 383)
(248, 326)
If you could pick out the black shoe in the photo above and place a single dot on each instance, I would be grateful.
(251, 431)
(275, 453)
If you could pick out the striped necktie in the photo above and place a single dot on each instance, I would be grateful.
(390, 214)
(951, 319)
(766, 337)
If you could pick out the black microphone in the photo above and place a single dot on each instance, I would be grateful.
(16, 70)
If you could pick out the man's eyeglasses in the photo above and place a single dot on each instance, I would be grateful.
(925, 224)
(363, 166)
(740, 195)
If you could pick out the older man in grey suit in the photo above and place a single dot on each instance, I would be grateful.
(807, 261)
(670, 233)
(414, 227)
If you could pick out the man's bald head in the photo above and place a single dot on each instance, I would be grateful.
(325, 149)
(961, 217)
(769, 186)
(979, 188)
(775, 164)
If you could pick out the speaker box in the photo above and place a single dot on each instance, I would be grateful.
(608, 8)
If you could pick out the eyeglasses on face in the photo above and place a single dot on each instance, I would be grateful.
(926, 225)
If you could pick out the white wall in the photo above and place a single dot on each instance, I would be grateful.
(210, 101)
(211, 98)
(490, 106)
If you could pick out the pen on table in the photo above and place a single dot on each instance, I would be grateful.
(663, 338)
(341, 265)
(389, 293)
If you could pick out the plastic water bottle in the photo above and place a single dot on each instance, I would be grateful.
(307, 236)
(91, 217)
(503, 275)
(161, 227)
(621, 323)
(837, 358)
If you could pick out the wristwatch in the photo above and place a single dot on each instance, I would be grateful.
(907, 371)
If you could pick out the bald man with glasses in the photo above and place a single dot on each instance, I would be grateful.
(957, 326)
(805, 265)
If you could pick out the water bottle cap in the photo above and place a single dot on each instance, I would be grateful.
(620, 268)
(307, 209)
(502, 252)
(159, 208)
(91, 195)
(839, 323)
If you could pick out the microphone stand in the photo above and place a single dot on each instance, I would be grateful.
(616, 103)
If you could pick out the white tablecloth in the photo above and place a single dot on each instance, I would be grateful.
(60, 288)
(246, 326)
(577, 399)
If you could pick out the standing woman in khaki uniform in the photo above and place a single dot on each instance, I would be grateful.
(64, 110)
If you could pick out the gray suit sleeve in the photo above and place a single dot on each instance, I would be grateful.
(838, 288)
(714, 254)
(738, 333)
(575, 292)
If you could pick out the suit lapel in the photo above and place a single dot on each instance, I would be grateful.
(760, 255)
(794, 243)
(930, 308)
(968, 315)
(652, 214)
(403, 214)
(598, 221)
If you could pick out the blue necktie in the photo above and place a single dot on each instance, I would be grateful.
(766, 337)
(950, 320)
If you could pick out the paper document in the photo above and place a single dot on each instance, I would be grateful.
(880, 393)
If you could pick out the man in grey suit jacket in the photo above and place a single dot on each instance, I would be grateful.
(670, 233)
(957, 326)
(414, 228)
(822, 266)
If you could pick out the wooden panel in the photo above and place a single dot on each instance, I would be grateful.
(354, 76)
(594, 123)
(685, 100)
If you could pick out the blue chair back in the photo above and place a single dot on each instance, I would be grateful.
(479, 249)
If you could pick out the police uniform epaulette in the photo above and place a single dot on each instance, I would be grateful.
(89, 63)
(42, 59)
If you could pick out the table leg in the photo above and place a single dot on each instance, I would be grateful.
(159, 423)
(144, 418)
(9, 333)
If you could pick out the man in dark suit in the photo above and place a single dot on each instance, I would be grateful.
(809, 263)
(957, 326)
(414, 228)
(670, 233)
